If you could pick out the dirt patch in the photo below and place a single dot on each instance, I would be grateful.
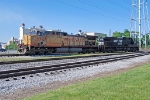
(23, 93)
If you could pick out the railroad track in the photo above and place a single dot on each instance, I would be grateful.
(67, 57)
(62, 66)
(54, 54)
(14, 55)
(11, 55)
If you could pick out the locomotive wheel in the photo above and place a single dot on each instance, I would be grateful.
(89, 51)
(41, 52)
(107, 51)
(32, 53)
(53, 50)
(83, 51)
(24, 51)
(45, 52)
(37, 53)
(50, 51)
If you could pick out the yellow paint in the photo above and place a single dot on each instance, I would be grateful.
(54, 40)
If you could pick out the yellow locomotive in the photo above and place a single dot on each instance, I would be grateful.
(56, 41)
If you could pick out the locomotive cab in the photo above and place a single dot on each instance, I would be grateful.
(112, 44)
(100, 44)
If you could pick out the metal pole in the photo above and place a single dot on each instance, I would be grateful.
(144, 16)
(110, 32)
(145, 41)
(139, 24)
(147, 18)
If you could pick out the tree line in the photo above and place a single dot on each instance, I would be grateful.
(12, 46)
(126, 33)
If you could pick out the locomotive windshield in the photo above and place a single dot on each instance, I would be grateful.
(101, 39)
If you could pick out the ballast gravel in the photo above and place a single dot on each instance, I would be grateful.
(6, 67)
(8, 87)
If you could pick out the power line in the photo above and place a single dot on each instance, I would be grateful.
(88, 11)
(118, 5)
(102, 8)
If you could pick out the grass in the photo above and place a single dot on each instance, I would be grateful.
(132, 85)
(5, 59)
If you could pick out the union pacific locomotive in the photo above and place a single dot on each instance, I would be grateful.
(40, 41)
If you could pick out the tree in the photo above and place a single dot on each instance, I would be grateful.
(117, 34)
(12, 46)
(147, 40)
(126, 33)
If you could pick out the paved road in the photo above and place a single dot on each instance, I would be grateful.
(9, 52)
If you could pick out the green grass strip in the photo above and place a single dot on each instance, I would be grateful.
(7, 59)
(132, 85)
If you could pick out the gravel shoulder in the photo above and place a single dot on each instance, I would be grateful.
(27, 92)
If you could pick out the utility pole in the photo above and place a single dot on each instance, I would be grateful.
(110, 32)
(139, 24)
(140, 15)
(134, 20)
(146, 20)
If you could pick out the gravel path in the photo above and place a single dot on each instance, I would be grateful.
(17, 89)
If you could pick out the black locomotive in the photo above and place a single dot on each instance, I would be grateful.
(111, 44)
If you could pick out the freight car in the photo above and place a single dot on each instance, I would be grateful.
(57, 42)
(111, 44)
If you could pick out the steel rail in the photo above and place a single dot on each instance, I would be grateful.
(34, 70)
(60, 58)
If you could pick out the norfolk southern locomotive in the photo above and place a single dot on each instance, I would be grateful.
(111, 44)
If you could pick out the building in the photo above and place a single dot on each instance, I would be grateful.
(2, 45)
(91, 33)
(31, 30)
(96, 34)
(35, 30)
(15, 40)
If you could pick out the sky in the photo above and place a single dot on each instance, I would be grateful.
(67, 15)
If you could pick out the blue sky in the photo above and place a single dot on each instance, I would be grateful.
(67, 15)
